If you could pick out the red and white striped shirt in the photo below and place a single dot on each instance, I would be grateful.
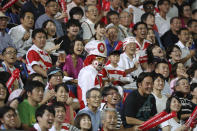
(36, 56)
(114, 72)
(141, 51)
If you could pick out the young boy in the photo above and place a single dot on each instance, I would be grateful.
(114, 72)
(60, 114)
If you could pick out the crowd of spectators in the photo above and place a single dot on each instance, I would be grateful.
(99, 65)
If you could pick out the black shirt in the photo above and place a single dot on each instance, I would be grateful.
(29, 6)
(139, 107)
(66, 45)
(169, 39)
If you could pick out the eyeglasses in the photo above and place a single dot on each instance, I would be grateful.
(94, 11)
(96, 97)
(11, 53)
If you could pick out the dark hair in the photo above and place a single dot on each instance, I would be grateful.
(115, 52)
(145, 3)
(4, 76)
(191, 70)
(182, 29)
(173, 18)
(190, 22)
(106, 90)
(194, 11)
(62, 85)
(145, 16)
(72, 22)
(78, 120)
(161, 62)
(170, 50)
(182, 78)
(142, 76)
(46, 22)
(168, 103)
(136, 26)
(36, 31)
(7, 92)
(182, 8)
(32, 76)
(5, 109)
(76, 10)
(41, 110)
(49, 1)
(174, 68)
(157, 75)
(193, 86)
(160, 2)
(102, 25)
(150, 53)
(30, 85)
(110, 13)
(89, 92)
(4, 50)
(72, 45)
(23, 13)
(59, 104)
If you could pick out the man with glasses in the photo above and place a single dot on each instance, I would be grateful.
(51, 10)
(4, 37)
(93, 97)
(88, 25)
(38, 60)
(125, 21)
(9, 56)
(112, 97)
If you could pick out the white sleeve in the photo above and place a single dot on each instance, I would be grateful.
(86, 31)
(164, 124)
(86, 82)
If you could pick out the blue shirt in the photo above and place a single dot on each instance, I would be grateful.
(109, 47)
(95, 117)
(29, 6)
(5, 41)
(43, 18)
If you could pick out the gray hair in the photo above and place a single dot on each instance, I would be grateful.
(104, 111)
(87, 7)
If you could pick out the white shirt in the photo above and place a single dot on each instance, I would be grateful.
(173, 11)
(50, 44)
(17, 34)
(172, 123)
(163, 25)
(185, 51)
(166, 90)
(126, 63)
(88, 29)
(137, 13)
(124, 32)
(86, 80)
(160, 103)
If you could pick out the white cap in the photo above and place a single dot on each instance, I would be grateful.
(128, 40)
(15, 94)
(96, 47)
